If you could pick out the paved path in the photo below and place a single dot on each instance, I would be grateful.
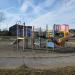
(37, 62)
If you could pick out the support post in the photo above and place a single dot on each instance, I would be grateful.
(17, 38)
(23, 36)
(40, 36)
(53, 32)
(46, 35)
(33, 38)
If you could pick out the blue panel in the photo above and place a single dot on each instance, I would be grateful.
(29, 32)
(50, 44)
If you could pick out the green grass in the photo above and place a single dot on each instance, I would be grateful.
(24, 70)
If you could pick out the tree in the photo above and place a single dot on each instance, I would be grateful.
(72, 30)
(4, 32)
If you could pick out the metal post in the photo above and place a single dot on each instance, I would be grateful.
(17, 23)
(26, 38)
(40, 36)
(46, 35)
(53, 31)
(23, 36)
(33, 38)
(17, 38)
(26, 31)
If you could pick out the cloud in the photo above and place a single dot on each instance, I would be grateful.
(48, 3)
(24, 6)
(36, 9)
(42, 13)
(43, 20)
(20, 1)
(65, 14)
(67, 6)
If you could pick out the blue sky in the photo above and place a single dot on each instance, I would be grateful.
(38, 12)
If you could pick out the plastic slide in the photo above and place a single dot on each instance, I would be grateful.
(59, 42)
(17, 40)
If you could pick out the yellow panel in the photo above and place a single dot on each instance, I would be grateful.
(20, 38)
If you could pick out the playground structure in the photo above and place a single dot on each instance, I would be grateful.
(61, 35)
(43, 38)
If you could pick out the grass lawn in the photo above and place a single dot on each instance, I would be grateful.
(24, 70)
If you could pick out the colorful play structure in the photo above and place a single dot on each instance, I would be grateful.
(55, 38)
(59, 36)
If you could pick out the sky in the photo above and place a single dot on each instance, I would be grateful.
(38, 13)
